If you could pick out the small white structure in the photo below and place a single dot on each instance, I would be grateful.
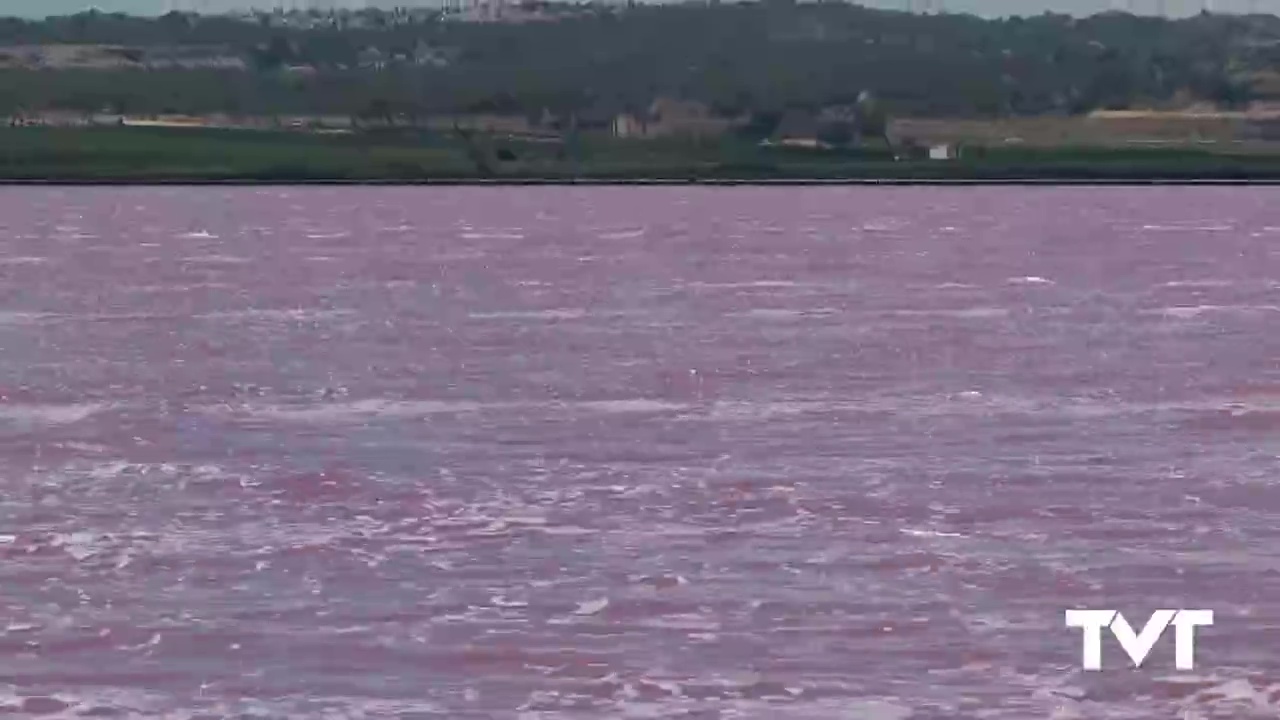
(942, 152)
(628, 126)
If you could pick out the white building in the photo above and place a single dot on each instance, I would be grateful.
(942, 151)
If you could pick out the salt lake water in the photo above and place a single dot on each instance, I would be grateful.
(777, 453)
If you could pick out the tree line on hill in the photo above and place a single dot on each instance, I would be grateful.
(739, 59)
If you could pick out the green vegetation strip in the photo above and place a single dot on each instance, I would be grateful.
(145, 155)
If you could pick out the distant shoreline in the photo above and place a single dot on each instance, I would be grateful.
(166, 157)
(635, 182)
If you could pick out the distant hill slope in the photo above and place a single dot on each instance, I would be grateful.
(985, 8)
(45, 8)
(734, 58)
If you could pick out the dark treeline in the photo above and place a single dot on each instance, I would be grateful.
(735, 58)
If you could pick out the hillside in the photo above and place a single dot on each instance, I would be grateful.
(594, 63)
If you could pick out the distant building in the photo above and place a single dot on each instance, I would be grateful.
(666, 117)
(1262, 129)
(628, 125)
(943, 151)
(424, 54)
(797, 128)
(371, 58)
(497, 11)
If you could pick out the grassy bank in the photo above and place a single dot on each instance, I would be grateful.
(175, 155)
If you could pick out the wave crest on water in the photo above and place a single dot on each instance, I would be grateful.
(31, 414)
(1188, 312)
(359, 410)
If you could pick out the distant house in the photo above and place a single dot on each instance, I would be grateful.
(499, 11)
(544, 119)
(424, 54)
(594, 118)
(943, 151)
(669, 116)
(371, 58)
(169, 121)
(1262, 129)
(628, 125)
(1265, 85)
(797, 128)
(839, 113)
(673, 110)
(840, 125)
(63, 118)
(908, 148)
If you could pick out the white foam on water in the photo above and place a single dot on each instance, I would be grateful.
(22, 318)
(359, 409)
(458, 255)
(752, 411)
(970, 403)
(748, 284)
(870, 709)
(363, 410)
(1220, 696)
(687, 621)
(199, 235)
(930, 533)
(79, 545)
(972, 313)
(88, 701)
(634, 405)
(184, 287)
(785, 314)
(553, 314)
(287, 315)
(1187, 228)
(28, 414)
(1030, 280)
(591, 607)
(491, 236)
(24, 260)
(621, 235)
(772, 314)
(1188, 312)
(1208, 283)
(217, 259)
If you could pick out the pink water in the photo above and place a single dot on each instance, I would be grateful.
(635, 453)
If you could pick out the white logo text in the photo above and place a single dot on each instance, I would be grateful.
(1138, 645)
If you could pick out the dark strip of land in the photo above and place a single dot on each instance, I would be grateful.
(142, 181)
(124, 156)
